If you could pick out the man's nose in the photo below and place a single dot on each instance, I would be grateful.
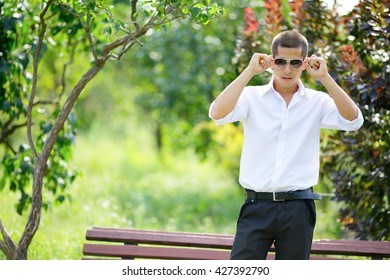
(287, 69)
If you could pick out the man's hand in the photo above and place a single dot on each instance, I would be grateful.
(316, 66)
(259, 63)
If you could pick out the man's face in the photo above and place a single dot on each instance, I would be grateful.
(286, 78)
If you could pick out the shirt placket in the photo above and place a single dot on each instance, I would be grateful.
(280, 148)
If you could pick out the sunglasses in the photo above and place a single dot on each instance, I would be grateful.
(281, 63)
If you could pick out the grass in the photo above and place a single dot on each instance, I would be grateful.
(125, 183)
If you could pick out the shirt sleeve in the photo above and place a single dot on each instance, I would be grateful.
(331, 118)
(239, 113)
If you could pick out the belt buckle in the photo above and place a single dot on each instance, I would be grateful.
(274, 197)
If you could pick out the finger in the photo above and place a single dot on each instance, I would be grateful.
(263, 58)
(313, 63)
(308, 66)
(265, 61)
(262, 61)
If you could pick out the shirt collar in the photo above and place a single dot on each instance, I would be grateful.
(301, 91)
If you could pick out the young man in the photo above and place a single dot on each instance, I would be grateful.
(280, 155)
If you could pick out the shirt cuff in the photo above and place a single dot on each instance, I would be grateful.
(222, 121)
(354, 124)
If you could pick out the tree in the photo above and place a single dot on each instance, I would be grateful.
(63, 28)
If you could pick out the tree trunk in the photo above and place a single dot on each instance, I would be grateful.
(19, 252)
(36, 206)
(8, 247)
(158, 134)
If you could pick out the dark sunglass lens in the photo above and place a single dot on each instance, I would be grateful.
(280, 62)
(296, 63)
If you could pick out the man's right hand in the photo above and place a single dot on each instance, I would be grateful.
(259, 63)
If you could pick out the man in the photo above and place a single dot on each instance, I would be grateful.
(280, 155)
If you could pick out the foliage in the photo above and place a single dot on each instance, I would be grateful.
(223, 144)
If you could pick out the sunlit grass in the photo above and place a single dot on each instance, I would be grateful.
(125, 183)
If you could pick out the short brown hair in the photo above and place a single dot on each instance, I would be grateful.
(290, 39)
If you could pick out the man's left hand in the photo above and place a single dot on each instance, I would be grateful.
(316, 66)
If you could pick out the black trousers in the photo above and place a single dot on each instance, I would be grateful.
(287, 224)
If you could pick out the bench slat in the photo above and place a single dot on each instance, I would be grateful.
(355, 243)
(132, 251)
(162, 232)
(183, 241)
(131, 232)
(166, 238)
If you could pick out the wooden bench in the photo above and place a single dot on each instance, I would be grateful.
(117, 243)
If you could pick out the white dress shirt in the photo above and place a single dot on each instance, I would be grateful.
(281, 148)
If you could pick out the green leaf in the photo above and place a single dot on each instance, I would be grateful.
(107, 30)
(199, 5)
(194, 12)
(46, 127)
(185, 10)
(60, 199)
(91, 6)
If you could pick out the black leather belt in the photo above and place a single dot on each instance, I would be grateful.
(282, 196)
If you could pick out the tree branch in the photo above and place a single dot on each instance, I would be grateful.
(86, 26)
(62, 82)
(3, 233)
(63, 76)
(10, 147)
(133, 12)
(7, 131)
(89, 34)
(46, 102)
(128, 40)
(126, 48)
(35, 78)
